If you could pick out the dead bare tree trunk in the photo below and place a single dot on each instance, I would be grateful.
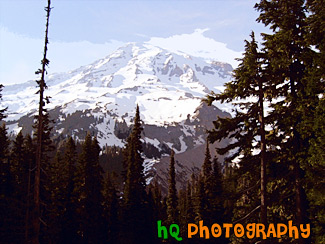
(39, 148)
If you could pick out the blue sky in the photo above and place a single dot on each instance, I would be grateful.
(82, 31)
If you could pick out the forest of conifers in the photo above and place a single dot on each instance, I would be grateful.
(273, 171)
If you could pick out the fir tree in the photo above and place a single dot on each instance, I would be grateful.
(315, 120)
(156, 195)
(111, 211)
(213, 197)
(136, 215)
(6, 188)
(19, 169)
(55, 200)
(69, 218)
(172, 200)
(248, 124)
(220, 198)
(207, 167)
(89, 190)
(199, 199)
(29, 152)
(189, 204)
(207, 174)
(290, 58)
(134, 189)
(62, 219)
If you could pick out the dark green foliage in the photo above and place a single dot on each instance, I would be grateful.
(29, 156)
(186, 210)
(4, 161)
(159, 211)
(15, 187)
(216, 196)
(172, 199)
(88, 189)
(111, 211)
(62, 202)
(137, 214)
(298, 71)
(134, 189)
(69, 218)
(288, 75)
(315, 121)
(6, 188)
(19, 168)
(248, 92)
(199, 199)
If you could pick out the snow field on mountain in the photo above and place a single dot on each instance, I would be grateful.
(167, 86)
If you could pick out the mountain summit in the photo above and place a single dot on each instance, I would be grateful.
(101, 98)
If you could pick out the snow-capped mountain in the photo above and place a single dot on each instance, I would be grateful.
(101, 98)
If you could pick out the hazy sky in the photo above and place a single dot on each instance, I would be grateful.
(82, 31)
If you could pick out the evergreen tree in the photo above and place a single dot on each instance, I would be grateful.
(6, 188)
(208, 186)
(29, 152)
(136, 213)
(220, 198)
(89, 190)
(296, 76)
(111, 211)
(199, 199)
(189, 204)
(315, 121)
(156, 195)
(62, 219)
(172, 200)
(207, 165)
(247, 127)
(19, 168)
(134, 189)
(55, 200)
(213, 194)
(182, 207)
(69, 218)
(315, 175)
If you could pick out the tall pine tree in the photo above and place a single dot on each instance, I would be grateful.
(89, 183)
(292, 63)
(6, 187)
(111, 211)
(248, 92)
(316, 121)
(69, 218)
(136, 213)
(172, 199)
